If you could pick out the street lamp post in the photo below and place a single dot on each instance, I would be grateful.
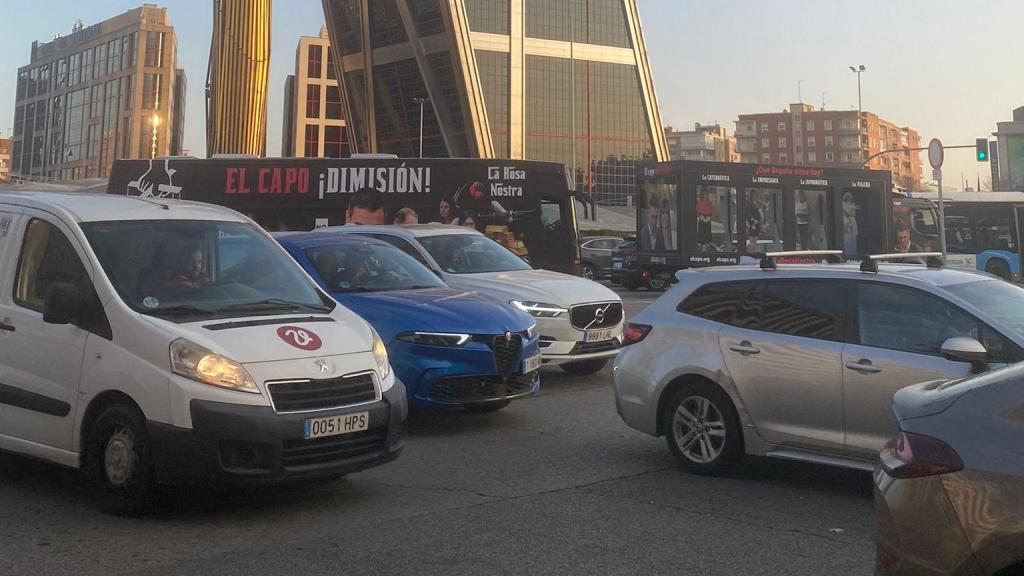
(858, 70)
(421, 102)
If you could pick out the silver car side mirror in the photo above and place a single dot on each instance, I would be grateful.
(961, 349)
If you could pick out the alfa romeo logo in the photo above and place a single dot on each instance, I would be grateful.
(299, 337)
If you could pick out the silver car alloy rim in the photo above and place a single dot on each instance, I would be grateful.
(588, 273)
(699, 429)
(119, 456)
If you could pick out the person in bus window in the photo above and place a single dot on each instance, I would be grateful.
(803, 220)
(755, 218)
(849, 225)
(467, 220)
(665, 224)
(407, 216)
(705, 211)
(650, 237)
(905, 245)
(366, 207)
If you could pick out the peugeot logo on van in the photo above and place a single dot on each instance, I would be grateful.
(322, 365)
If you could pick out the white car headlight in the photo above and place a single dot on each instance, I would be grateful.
(380, 355)
(539, 309)
(195, 362)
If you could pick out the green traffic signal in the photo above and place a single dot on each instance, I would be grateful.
(981, 149)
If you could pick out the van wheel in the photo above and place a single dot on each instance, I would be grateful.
(119, 460)
(702, 429)
(999, 268)
(585, 367)
(587, 271)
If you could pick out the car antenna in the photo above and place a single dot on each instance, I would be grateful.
(153, 202)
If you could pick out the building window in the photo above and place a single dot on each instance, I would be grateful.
(782, 126)
(812, 157)
(334, 142)
(766, 158)
(828, 142)
(847, 124)
(782, 143)
(77, 74)
(151, 91)
(828, 125)
(764, 127)
(488, 16)
(847, 157)
(312, 148)
(810, 125)
(766, 143)
(99, 61)
(811, 142)
(829, 157)
(315, 61)
(154, 49)
(333, 106)
(313, 101)
(331, 75)
(783, 159)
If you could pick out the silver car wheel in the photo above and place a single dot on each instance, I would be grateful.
(698, 429)
(588, 272)
(119, 459)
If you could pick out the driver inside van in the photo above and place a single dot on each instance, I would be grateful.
(189, 273)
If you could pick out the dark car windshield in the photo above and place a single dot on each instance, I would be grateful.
(369, 267)
(471, 254)
(186, 270)
(1001, 300)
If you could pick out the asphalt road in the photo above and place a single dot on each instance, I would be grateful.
(555, 484)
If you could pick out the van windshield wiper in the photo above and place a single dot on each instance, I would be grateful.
(271, 304)
(181, 310)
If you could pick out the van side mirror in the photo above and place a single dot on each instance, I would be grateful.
(969, 350)
(62, 304)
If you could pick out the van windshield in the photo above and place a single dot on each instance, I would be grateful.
(471, 254)
(185, 270)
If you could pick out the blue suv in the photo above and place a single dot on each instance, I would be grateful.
(451, 348)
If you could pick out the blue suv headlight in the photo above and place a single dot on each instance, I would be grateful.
(434, 338)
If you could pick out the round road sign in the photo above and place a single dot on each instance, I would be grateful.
(935, 153)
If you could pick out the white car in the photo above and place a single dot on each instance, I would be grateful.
(580, 321)
(146, 340)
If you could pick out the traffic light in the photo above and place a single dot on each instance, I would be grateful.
(981, 149)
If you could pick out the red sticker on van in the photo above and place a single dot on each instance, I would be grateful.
(300, 338)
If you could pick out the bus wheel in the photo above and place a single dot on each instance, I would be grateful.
(999, 268)
(656, 282)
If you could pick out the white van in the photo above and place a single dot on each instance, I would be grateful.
(150, 341)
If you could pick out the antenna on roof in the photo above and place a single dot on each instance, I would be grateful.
(78, 26)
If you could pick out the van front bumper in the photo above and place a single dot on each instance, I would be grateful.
(236, 444)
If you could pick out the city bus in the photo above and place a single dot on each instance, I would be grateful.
(693, 213)
(525, 205)
(983, 231)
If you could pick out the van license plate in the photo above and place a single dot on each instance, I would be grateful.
(598, 335)
(531, 364)
(336, 425)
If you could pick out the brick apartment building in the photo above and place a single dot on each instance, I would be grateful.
(5, 158)
(705, 142)
(803, 136)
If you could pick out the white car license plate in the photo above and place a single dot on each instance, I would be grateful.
(598, 335)
(617, 265)
(531, 364)
(336, 425)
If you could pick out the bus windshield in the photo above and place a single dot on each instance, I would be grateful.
(471, 254)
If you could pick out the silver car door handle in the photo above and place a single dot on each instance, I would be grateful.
(864, 366)
(744, 348)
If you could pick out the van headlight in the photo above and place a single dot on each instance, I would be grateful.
(539, 309)
(380, 356)
(195, 362)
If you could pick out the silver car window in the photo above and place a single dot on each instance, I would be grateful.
(806, 308)
(909, 320)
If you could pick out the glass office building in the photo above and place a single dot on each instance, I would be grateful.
(558, 80)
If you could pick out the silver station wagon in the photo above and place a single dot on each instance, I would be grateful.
(801, 361)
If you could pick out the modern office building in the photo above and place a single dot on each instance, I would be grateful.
(5, 158)
(1008, 161)
(803, 136)
(110, 90)
(238, 78)
(558, 80)
(314, 125)
(708, 143)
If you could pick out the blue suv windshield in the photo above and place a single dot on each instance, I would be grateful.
(185, 270)
(353, 267)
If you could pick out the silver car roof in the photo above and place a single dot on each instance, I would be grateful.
(914, 274)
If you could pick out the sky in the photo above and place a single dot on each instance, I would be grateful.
(949, 68)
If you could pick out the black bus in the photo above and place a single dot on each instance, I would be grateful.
(525, 205)
(692, 213)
